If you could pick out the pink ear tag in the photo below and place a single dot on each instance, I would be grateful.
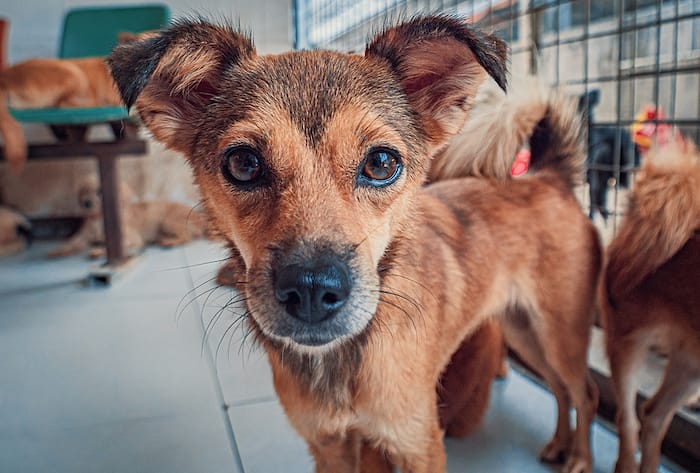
(521, 163)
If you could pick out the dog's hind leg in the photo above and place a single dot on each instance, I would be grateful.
(565, 347)
(626, 356)
(681, 382)
(521, 338)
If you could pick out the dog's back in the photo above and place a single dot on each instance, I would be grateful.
(650, 297)
(653, 266)
(50, 82)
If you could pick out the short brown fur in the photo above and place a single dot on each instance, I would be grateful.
(162, 222)
(429, 264)
(650, 298)
(51, 82)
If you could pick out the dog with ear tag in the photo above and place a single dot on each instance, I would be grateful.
(361, 282)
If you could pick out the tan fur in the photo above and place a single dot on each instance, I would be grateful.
(650, 298)
(430, 265)
(161, 222)
(499, 125)
(39, 83)
(51, 82)
(465, 385)
(10, 241)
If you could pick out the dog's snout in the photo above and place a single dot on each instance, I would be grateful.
(313, 292)
(87, 204)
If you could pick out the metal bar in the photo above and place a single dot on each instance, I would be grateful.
(623, 29)
(637, 74)
(111, 217)
(85, 150)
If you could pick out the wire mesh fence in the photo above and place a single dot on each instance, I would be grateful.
(635, 65)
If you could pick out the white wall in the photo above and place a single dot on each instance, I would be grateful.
(35, 24)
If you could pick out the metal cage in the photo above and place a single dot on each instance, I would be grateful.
(623, 58)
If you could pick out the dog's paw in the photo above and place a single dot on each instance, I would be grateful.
(555, 451)
(578, 464)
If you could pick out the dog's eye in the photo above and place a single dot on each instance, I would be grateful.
(380, 168)
(242, 165)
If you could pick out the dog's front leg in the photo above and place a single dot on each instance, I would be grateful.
(337, 453)
(421, 452)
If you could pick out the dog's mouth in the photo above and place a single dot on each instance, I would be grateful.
(312, 303)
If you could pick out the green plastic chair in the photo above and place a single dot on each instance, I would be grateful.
(91, 32)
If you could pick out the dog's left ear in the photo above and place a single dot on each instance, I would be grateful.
(440, 62)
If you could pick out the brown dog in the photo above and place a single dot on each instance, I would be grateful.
(464, 388)
(650, 297)
(47, 82)
(161, 222)
(51, 82)
(360, 282)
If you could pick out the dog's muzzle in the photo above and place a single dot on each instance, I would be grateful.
(313, 291)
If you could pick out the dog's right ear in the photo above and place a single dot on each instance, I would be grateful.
(172, 76)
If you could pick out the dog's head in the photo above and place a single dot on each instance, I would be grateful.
(309, 161)
(90, 198)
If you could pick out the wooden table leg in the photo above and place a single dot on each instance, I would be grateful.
(109, 184)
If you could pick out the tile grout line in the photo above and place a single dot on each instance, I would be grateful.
(217, 383)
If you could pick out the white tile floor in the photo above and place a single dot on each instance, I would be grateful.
(110, 380)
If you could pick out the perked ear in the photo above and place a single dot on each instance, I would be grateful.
(440, 63)
(171, 76)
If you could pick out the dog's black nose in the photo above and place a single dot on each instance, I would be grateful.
(87, 204)
(313, 292)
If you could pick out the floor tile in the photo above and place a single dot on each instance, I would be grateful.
(167, 443)
(266, 441)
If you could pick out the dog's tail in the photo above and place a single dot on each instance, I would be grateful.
(15, 145)
(663, 213)
(499, 125)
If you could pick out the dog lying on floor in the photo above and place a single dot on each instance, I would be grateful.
(47, 82)
(360, 282)
(52, 82)
(650, 297)
(164, 223)
(15, 231)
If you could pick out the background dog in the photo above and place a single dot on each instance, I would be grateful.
(650, 297)
(47, 82)
(164, 223)
(15, 231)
(604, 146)
(360, 282)
(51, 82)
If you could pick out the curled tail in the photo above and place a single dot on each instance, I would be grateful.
(663, 213)
(15, 145)
(557, 141)
(499, 125)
